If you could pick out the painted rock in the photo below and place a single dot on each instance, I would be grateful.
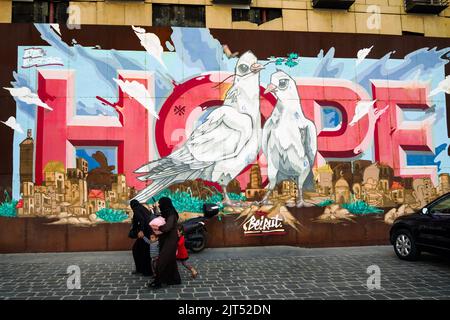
(334, 207)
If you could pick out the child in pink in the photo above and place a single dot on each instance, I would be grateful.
(156, 223)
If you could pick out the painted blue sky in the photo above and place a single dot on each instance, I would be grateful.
(87, 152)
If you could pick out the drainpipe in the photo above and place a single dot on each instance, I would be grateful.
(51, 18)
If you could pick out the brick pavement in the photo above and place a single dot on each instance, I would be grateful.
(232, 273)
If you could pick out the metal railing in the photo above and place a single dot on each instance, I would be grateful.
(425, 6)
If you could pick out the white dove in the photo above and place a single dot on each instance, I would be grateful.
(222, 146)
(289, 140)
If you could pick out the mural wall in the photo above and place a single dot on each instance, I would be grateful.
(186, 115)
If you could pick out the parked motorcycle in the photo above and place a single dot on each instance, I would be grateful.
(195, 233)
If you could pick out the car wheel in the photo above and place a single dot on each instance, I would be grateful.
(405, 246)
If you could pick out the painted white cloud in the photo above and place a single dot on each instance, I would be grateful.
(362, 108)
(362, 54)
(13, 124)
(443, 86)
(138, 92)
(150, 42)
(24, 94)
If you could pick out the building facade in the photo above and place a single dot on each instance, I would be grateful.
(388, 17)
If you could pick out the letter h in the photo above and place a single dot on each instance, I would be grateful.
(60, 131)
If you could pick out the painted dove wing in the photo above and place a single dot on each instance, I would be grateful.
(222, 136)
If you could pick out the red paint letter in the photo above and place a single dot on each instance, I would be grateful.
(61, 130)
(394, 136)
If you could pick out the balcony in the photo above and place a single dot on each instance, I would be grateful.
(332, 4)
(233, 2)
(425, 6)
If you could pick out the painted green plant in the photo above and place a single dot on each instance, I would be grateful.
(355, 206)
(8, 207)
(185, 202)
(290, 61)
(361, 207)
(325, 203)
(111, 215)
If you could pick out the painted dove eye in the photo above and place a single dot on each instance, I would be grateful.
(283, 84)
(243, 68)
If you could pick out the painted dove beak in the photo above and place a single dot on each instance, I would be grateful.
(270, 88)
(256, 67)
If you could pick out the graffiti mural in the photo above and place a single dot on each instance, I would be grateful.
(194, 120)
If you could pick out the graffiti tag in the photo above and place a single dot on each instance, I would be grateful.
(263, 225)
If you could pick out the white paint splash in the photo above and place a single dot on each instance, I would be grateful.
(150, 42)
(138, 92)
(13, 124)
(24, 94)
(55, 27)
(443, 86)
(362, 54)
(170, 46)
(362, 108)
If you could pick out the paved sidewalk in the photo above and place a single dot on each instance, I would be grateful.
(232, 273)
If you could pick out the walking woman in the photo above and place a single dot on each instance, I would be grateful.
(168, 243)
(141, 250)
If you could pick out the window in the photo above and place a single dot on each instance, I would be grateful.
(425, 6)
(442, 207)
(410, 33)
(38, 11)
(256, 15)
(178, 15)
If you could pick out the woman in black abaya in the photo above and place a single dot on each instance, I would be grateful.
(141, 250)
(167, 263)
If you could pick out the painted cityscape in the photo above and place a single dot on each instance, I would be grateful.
(82, 196)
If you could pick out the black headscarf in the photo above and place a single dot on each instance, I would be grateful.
(134, 204)
(141, 217)
(137, 209)
(166, 207)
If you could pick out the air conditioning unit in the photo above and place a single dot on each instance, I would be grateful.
(332, 4)
(425, 6)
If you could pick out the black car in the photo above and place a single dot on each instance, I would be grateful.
(426, 230)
